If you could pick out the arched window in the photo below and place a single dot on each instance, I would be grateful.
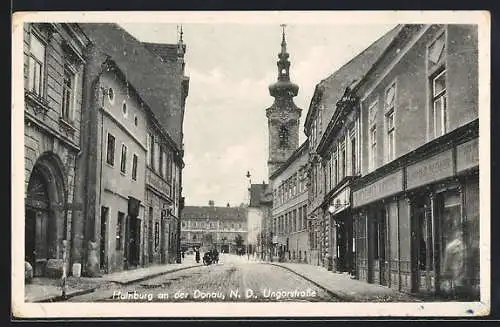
(283, 136)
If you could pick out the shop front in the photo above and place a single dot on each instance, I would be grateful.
(341, 234)
(417, 227)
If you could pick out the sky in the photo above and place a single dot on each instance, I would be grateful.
(230, 68)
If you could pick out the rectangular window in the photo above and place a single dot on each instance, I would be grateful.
(149, 150)
(342, 161)
(157, 156)
(335, 168)
(123, 160)
(373, 147)
(134, 167)
(36, 65)
(157, 235)
(67, 95)
(161, 159)
(389, 123)
(120, 224)
(439, 105)
(353, 155)
(152, 151)
(169, 166)
(110, 150)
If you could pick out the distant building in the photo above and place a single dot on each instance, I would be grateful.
(210, 227)
(53, 73)
(289, 210)
(256, 218)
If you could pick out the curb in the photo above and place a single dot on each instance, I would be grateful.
(342, 297)
(140, 279)
(59, 298)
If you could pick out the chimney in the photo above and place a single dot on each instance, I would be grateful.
(211, 203)
(227, 205)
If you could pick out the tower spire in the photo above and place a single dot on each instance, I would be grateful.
(283, 86)
(283, 40)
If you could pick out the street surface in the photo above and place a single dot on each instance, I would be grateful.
(233, 279)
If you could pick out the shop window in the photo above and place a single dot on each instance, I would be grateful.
(110, 150)
(120, 224)
(452, 238)
(36, 65)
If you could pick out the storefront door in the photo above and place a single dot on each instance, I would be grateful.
(423, 245)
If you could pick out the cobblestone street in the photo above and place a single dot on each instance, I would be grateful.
(234, 279)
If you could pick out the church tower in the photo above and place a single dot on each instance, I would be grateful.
(283, 116)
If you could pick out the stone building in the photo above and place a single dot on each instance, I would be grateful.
(289, 209)
(208, 227)
(416, 205)
(332, 134)
(129, 91)
(256, 218)
(53, 71)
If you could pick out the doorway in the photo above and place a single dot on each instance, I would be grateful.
(103, 238)
(30, 237)
(134, 240)
(423, 246)
(380, 246)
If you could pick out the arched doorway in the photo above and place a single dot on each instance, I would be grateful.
(44, 214)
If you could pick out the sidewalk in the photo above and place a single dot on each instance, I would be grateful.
(49, 290)
(344, 287)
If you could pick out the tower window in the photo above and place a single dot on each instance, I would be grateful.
(283, 136)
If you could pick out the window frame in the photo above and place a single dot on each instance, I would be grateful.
(135, 164)
(67, 113)
(390, 132)
(111, 164)
(435, 97)
(33, 33)
(123, 159)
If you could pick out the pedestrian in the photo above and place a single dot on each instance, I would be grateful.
(197, 256)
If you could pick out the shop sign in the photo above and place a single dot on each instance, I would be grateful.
(340, 202)
(430, 170)
(382, 188)
(468, 155)
(157, 183)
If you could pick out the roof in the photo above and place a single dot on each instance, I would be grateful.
(157, 82)
(213, 212)
(257, 192)
(354, 70)
(167, 52)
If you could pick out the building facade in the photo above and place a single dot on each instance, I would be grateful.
(130, 91)
(164, 165)
(289, 209)
(256, 216)
(333, 128)
(208, 227)
(416, 205)
(53, 70)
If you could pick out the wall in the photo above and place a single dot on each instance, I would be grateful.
(412, 90)
(114, 187)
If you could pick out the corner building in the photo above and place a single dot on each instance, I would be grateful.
(416, 204)
(53, 70)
